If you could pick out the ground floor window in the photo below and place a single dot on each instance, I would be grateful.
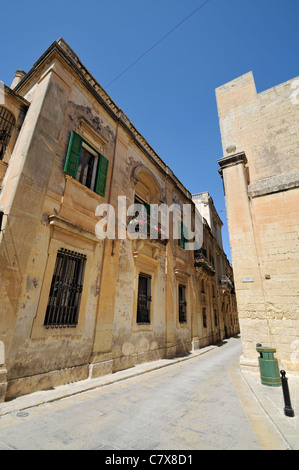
(216, 317)
(66, 289)
(204, 317)
(144, 298)
(182, 304)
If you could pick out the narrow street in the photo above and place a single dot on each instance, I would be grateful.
(196, 404)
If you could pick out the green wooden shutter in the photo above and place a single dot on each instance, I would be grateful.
(138, 200)
(183, 241)
(148, 208)
(186, 240)
(102, 175)
(73, 155)
(181, 235)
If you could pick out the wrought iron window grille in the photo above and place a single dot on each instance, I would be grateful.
(144, 298)
(7, 123)
(204, 317)
(182, 304)
(66, 290)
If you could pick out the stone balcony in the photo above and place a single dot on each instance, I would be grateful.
(202, 262)
(226, 282)
(153, 233)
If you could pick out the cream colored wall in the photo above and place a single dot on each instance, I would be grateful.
(261, 200)
(276, 234)
(23, 198)
(62, 215)
(49, 210)
(3, 168)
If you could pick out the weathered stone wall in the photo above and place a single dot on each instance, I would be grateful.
(49, 210)
(3, 372)
(260, 134)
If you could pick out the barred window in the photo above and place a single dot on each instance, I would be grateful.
(66, 289)
(204, 317)
(7, 122)
(144, 298)
(216, 317)
(182, 304)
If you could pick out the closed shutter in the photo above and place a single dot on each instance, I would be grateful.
(73, 155)
(102, 175)
(181, 235)
(183, 241)
(147, 206)
(186, 240)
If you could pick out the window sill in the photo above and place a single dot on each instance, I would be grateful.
(139, 327)
(42, 331)
(83, 188)
(183, 325)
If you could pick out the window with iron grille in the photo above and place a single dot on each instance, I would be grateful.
(216, 317)
(182, 304)
(204, 317)
(7, 122)
(66, 289)
(144, 298)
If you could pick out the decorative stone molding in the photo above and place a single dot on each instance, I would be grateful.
(232, 160)
(274, 184)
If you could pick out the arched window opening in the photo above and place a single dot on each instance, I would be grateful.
(7, 123)
(148, 222)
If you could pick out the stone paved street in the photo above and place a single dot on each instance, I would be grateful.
(199, 403)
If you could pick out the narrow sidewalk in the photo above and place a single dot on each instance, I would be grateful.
(271, 400)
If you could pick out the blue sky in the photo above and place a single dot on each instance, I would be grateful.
(169, 95)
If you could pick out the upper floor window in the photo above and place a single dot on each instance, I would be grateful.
(7, 123)
(86, 165)
(146, 223)
(183, 241)
(141, 220)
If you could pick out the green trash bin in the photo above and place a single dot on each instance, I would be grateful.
(268, 366)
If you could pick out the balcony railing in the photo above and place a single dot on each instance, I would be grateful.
(143, 226)
(200, 261)
(225, 281)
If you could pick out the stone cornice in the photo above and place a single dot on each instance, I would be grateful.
(17, 97)
(231, 160)
(70, 57)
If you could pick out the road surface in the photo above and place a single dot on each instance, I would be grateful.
(197, 404)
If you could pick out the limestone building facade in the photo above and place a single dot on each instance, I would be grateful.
(73, 304)
(260, 171)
